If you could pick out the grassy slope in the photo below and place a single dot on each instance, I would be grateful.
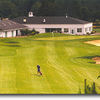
(97, 30)
(63, 69)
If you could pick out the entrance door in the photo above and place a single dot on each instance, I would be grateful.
(12, 33)
(16, 32)
(5, 34)
(72, 31)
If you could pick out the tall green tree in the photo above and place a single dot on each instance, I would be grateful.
(83, 9)
(36, 7)
(85, 13)
(7, 9)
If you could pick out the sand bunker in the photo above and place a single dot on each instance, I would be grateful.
(96, 59)
(95, 42)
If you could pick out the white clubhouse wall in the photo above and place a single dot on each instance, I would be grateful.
(87, 26)
(9, 33)
(41, 27)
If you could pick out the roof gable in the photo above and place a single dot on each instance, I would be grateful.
(8, 24)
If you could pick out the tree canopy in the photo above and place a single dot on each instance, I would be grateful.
(84, 9)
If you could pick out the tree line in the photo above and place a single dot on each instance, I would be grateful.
(84, 9)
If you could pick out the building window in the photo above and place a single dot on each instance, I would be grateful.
(90, 28)
(66, 30)
(86, 29)
(79, 29)
(55, 30)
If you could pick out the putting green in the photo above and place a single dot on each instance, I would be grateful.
(65, 63)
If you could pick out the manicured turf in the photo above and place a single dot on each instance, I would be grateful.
(65, 63)
(97, 30)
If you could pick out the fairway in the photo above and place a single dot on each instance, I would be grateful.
(65, 62)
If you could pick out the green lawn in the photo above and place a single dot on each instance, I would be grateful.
(97, 30)
(65, 63)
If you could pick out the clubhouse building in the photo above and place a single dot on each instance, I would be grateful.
(10, 28)
(63, 24)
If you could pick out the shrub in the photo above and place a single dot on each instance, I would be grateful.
(88, 33)
(29, 32)
(93, 32)
(89, 89)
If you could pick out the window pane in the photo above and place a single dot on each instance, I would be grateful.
(90, 28)
(79, 29)
(66, 30)
(86, 30)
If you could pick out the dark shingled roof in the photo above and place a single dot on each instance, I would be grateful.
(50, 20)
(8, 24)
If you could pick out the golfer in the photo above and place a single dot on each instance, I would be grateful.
(38, 69)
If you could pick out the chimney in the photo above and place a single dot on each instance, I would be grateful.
(30, 14)
(66, 16)
(44, 20)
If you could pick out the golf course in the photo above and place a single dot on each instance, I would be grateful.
(65, 62)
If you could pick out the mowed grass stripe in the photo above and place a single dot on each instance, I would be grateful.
(73, 69)
(64, 77)
(40, 57)
(7, 76)
(86, 70)
(63, 65)
(56, 80)
(30, 57)
(7, 70)
(28, 82)
(23, 73)
(64, 60)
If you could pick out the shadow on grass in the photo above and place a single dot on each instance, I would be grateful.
(88, 57)
(12, 45)
(88, 89)
(91, 62)
(37, 75)
(11, 42)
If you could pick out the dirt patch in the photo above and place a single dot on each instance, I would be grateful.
(96, 59)
(95, 42)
